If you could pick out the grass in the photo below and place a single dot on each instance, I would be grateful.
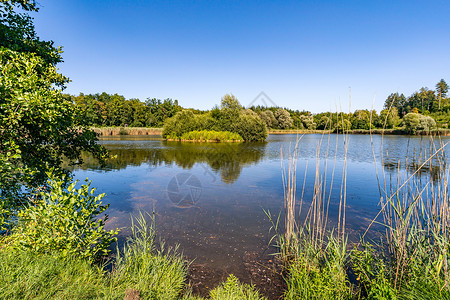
(208, 136)
(140, 267)
(411, 260)
(233, 289)
(314, 256)
(416, 241)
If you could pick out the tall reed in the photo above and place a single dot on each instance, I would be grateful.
(412, 257)
(314, 251)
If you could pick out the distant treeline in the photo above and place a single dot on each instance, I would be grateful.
(114, 110)
(422, 110)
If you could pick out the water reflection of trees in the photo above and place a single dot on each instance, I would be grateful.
(228, 159)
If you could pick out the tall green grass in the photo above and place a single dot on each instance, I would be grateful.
(314, 254)
(149, 271)
(232, 289)
(414, 257)
(411, 259)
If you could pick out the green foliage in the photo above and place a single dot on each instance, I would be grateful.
(114, 110)
(284, 119)
(65, 221)
(269, 118)
(25, 275)
(388, 118)
(361, 119)
(233, 289)
(151, 273)
(183, 122)
(217, 136)
(395, 100)
(230, 118)
(251, 127)
(317, 273)
(414, 122)
(17, 32)
(372, 273)
(156, 274)
(308, 122)
(39, 126)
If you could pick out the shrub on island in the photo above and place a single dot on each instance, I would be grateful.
(231, 118)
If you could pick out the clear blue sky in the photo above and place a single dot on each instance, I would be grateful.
(302, 54)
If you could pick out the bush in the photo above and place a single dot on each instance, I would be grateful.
(231, 117)
(64, 221)
(251, 127)
(283, 118)
(414, 122)
(184, 121)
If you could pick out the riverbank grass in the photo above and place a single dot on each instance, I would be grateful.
(140, 268)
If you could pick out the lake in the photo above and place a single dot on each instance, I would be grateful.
(211, 198)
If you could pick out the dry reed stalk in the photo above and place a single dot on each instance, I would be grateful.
(315, 225)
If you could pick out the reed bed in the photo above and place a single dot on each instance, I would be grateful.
(114, 131)
(314, 251)
(408, 260)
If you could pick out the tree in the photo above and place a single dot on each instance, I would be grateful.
(414, 122)
(17, 32)
(39, 125)
(283, 118)
(269, 118)
(398, 101)
(360, 119)
(424, 100)
(441, 90)
(230, 102)
(388, 118)
(308, 122)
(251, 127)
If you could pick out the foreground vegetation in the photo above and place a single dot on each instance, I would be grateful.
(53, 241)
(410, 261)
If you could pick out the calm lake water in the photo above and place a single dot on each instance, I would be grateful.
(210, 197)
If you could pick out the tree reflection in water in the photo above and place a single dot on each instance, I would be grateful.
(228, 159)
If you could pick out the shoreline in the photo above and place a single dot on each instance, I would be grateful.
(136, 131)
